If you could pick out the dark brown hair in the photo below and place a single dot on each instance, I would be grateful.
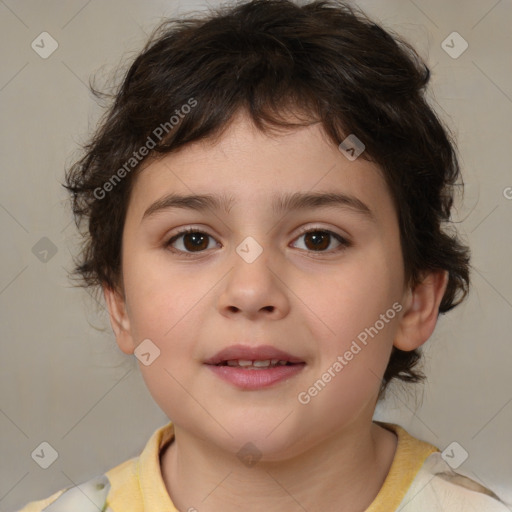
(326, 62)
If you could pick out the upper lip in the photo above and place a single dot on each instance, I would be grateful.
(260, 353)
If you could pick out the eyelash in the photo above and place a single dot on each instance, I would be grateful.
(344, 243)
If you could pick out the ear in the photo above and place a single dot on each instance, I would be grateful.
(420, 314)
(119, 319)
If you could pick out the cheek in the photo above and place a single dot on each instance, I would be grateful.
(160, 297)
(342, 303)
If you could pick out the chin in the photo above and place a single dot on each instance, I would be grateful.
(262, 438)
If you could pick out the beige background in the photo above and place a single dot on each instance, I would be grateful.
(64, 381)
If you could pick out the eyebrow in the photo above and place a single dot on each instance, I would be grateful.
(280, 203)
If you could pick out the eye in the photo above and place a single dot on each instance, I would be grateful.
(317, 240)
(194, 241)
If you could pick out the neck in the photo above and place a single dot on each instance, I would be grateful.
(343, 473)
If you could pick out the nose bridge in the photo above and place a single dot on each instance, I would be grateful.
(251, 262)
(252, 284)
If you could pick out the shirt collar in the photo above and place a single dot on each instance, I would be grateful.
(409, 458)
(153, 490)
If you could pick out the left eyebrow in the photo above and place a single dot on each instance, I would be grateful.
(280, 203)
(303, 201)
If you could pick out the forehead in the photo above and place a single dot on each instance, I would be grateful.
(246, 167)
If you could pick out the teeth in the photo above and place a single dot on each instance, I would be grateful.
(261, 364)
(245, 363)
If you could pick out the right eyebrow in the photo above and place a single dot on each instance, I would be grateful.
(197, 202)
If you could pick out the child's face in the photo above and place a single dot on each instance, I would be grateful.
(310, 304)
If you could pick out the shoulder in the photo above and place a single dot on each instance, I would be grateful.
(119, 488)
(437, 485)
(420, 480)
(91, 496)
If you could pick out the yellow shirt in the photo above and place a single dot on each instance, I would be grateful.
(419, 480)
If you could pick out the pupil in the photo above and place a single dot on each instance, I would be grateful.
(197, 239)
(316, 236)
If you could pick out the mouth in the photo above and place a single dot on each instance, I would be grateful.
(252, 368)
(242, 355)
(256, 364)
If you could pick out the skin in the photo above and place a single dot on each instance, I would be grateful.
(328, 454)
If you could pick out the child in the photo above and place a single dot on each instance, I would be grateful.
(266, 203)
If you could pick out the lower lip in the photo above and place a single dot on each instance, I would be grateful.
(256, 379)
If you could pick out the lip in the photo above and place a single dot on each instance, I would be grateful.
(253, 379)
(261, 353)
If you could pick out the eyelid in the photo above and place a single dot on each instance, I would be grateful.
(179, 234)
(344, 241)
(307, 229)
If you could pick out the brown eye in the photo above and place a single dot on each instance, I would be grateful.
(320, 240)
(193, 241)
(189, 241)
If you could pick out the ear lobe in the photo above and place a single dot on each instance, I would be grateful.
(420, 317)
(119, 319)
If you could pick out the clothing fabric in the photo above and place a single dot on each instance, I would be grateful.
(419, 480)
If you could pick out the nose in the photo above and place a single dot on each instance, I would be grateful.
(255, 288)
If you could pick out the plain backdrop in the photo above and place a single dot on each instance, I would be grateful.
(63, 379)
